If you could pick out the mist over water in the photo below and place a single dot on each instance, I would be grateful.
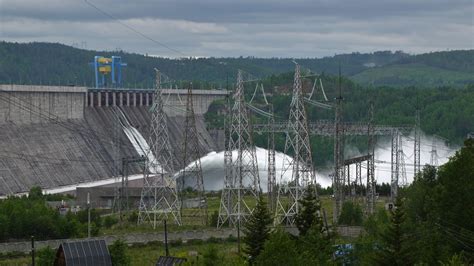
(213, 163)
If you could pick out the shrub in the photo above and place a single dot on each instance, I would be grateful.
(109, 221)
(46, 256)
(351, 214)
(118, 253)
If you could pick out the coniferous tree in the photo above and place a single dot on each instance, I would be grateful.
(394, 249)
(309, 211)
(280, 249)
(257, 230)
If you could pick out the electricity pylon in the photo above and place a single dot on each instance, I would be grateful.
(300, 165)
(401, 160)
(193, 200)
(370, 194)
(159, 197)
(119, 203)
(242, 183)
(395, 166)
(338, 182)
(271, 171)
(434, 154)
(417, 150)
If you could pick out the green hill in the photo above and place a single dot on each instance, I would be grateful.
(54, 63)
(450, 68)
(57, 63)
(413, 74)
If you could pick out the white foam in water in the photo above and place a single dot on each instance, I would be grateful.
(139, 143)
(213, 164)
(213, 169)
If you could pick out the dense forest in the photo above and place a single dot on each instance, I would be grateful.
(53, 63)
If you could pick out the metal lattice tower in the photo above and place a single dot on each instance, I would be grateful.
(297, 145)
(370, 194)
(338, 177)
(119, 203)
(395, 166)
(242, 183)
(401, 160)
(416, 153)
(434, 154)
(271, 171)
(194, 203)
(159, 198)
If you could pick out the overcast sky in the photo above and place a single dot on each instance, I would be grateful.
(291, 28)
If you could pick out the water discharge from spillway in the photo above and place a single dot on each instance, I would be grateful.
(213, 163)
(138, 141)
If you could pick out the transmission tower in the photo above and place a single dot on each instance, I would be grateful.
(370, 194)
(297, 145)
(394, 165)
(434, 154)
(338, 178)
(401, 160)
(242, 183)
(194, 203)
(159, 198)
(271, 183)
(119, 203)
(416, 153)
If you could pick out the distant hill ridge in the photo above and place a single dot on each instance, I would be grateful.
(54, 63)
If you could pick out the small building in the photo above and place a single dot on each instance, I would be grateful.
(83, 252)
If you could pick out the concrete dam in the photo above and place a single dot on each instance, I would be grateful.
(59, 136)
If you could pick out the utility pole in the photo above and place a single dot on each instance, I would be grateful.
(88, 215)
(338, 183)
(193, 172)
(297, 144)
(166, 238)
(33, 250)
(159, 197)
(242, 183)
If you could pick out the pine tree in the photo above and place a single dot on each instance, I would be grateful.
(308, 215)
(394, 249)
(257, 230)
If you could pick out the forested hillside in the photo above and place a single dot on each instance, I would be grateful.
(453, 68)
(53, 63)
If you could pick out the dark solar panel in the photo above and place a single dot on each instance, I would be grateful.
(169, 261)
(87, 252)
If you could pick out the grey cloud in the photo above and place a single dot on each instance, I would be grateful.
(301, 28)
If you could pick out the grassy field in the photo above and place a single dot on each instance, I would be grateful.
(194, 253)
(213, 206)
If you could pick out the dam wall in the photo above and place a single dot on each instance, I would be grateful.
(54, 136)
(22, 104)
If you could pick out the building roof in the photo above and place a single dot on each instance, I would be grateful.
(169, 261)
(85, 252)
